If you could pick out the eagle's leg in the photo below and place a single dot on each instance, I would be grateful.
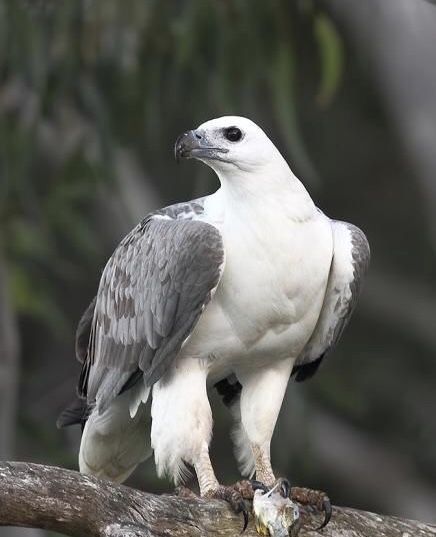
(207, 480)
(182, 429)
(262, 395)
(210, 488)
(261, 399)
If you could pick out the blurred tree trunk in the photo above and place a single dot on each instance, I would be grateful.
(9, 371)
(9, 356)
(398, 39)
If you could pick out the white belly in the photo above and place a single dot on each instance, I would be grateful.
(269, 297)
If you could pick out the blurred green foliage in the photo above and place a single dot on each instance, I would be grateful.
(85, 81)
(81, 78)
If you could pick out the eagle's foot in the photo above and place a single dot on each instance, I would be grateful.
(314, 498)
(247, 488)
(233, 497)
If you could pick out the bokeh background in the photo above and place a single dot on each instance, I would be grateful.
(93, 94)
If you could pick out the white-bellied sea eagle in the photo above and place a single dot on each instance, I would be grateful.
(238, 290)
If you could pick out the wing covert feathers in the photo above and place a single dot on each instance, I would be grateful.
(151, 294)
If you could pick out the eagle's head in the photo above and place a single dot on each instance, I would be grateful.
(228, 143)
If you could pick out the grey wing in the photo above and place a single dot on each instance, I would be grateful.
(83, 331)
(350, 262)
(151, 294)
(179, 211)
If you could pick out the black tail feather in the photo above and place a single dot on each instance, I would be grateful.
(77, 412)
(306, 371)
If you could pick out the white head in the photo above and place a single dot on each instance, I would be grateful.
(230, 144)
(249, 166)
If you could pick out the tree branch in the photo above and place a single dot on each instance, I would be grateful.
(37, 496)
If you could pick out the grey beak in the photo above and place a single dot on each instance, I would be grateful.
(185, 143)
(193, 144)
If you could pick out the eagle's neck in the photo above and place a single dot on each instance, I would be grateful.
(267, 193)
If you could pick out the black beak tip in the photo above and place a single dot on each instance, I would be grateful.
(178, 147)
(182, 146)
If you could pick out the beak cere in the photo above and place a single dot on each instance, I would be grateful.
(193, 144)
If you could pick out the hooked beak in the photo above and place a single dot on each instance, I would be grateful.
(193, 144)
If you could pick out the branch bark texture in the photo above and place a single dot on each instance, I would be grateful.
(65, 501)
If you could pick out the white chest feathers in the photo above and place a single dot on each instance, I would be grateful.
(275, 276)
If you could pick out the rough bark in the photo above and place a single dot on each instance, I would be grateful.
(33, 495)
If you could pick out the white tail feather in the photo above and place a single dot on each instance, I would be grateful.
(139, 394)
(113, 443)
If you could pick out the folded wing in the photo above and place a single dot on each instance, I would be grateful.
(350, 262)
(151, 295)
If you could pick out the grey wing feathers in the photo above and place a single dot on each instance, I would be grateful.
(178, 211)
(184, 210)
(151, 294)
(83, 331)
(350, 262)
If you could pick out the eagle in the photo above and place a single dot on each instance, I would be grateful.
(236, 291)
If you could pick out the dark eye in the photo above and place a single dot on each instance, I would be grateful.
(233, 134)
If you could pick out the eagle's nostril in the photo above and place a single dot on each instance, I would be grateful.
(198, 136)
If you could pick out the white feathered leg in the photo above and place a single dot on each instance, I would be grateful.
(113, 443)
(182, 429)
(261, 399)
(182, 424)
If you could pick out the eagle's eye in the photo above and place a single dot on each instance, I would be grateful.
(233, 134)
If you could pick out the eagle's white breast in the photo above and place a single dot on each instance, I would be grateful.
(271, 292)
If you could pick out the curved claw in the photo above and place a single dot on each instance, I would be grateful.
(327, 508)
(285, 488)
(245, 514)
(258, 485)
(233, 497)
